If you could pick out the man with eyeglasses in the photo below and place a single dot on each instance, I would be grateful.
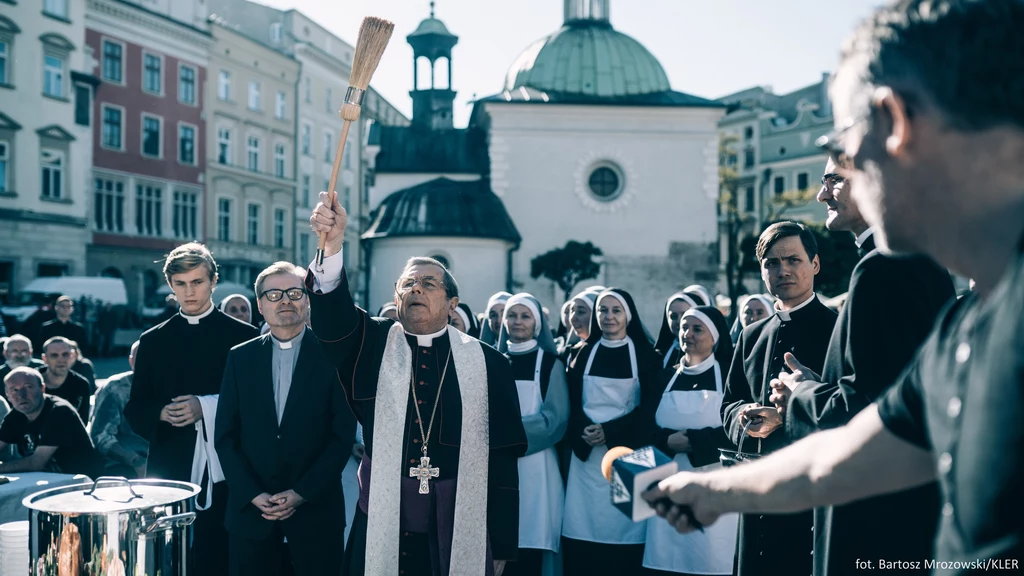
(935, 166)
(173, 399)
(441, 422)
(284, 432)
(891, 306)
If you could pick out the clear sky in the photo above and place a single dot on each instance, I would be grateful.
(708, 47)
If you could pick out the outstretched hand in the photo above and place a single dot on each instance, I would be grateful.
(330, 218)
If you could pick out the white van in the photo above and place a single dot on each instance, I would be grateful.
(43, 291)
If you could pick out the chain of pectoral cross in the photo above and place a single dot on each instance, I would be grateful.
(424, 472)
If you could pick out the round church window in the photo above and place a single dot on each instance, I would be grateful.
(605, 183)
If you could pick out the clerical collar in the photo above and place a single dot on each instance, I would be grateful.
(427, 340)
(195, 319)
(520, 347)
(288, 344)
(787, 315)
(614, 343)
(864, 237)
(701, 368)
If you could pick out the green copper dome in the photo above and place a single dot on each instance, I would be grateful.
(590, 58)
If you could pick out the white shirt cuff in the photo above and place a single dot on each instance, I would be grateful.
(327, 277)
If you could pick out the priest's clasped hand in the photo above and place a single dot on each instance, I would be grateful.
(279, 506)
(770, 420)
(330, 218)
(593, 435)
(684, 490)
(182, 411)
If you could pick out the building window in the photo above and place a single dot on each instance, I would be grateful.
(187, 84)
(304, 248)
(279, 160)
(224, 85)
(109, 208)
(748, 133)
(185, 210)
(152, 74)
(223, 146)
(275, 32)
(5, 50)
(253, 225)
(328, 145)
(253, 154)
(151, 136)
(307, 87)
(779, 184)
(224, 219)
(254, 96)
(347, 196)
(53, 76)
(279, 104)
(83, 104)
(5, 159)
(802, 180)
(748, 157)
(187, 144)
(149, 210)
(112, 128)
(348, 155)
(49, 270)
(605, 182)
(279, 228)
(112, 61)
(306, 137)
(330, 108)
(749, 204)
(52, 162)
(305, 190)
(58, 8)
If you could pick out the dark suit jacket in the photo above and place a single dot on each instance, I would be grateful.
(305, 453)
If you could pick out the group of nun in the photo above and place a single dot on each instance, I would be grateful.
(602, 381)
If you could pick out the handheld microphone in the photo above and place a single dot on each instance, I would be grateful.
(630, 473)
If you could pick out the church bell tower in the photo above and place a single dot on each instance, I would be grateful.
(432, 105)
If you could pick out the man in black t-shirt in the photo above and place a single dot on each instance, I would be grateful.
(60, 380)
(928, 115)
(63, 325)
(46, 431)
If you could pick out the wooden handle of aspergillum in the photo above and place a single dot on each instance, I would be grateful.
(332, 192)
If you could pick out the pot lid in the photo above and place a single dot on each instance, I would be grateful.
(110, 495)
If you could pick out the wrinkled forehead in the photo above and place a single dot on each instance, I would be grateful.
(57, 348)
(519, 309)
(693, 321)
(787, 247)
(16, 346)
(21, 379)
(424, 271)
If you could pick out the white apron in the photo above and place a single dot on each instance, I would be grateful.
(540, 483)
(589, 513)
(711, 551)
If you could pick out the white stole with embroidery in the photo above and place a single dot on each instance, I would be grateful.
(469, 541)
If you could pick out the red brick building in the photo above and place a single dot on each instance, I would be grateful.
(148, 138)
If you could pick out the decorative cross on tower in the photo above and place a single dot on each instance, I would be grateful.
(423, 472)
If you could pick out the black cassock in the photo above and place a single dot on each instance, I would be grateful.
(354, 342)
(891, 307)
(176, 358)
(772, 544)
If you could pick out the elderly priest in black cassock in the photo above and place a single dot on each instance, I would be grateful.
(891, 307)
(439, 481)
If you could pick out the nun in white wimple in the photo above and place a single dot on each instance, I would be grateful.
(581, 314)
(614, 370)
(490, 326)
(237, 306)
(544, 404)
(667, 345)
(686, 423)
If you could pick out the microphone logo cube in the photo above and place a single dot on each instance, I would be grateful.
(633, 474)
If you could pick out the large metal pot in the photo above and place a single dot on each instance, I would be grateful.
(738, 456)
(114, 527)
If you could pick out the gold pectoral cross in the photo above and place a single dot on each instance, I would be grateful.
(423, 472)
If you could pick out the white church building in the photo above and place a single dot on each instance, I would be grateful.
(586, 141)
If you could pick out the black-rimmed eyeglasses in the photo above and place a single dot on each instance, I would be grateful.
(275, 294)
